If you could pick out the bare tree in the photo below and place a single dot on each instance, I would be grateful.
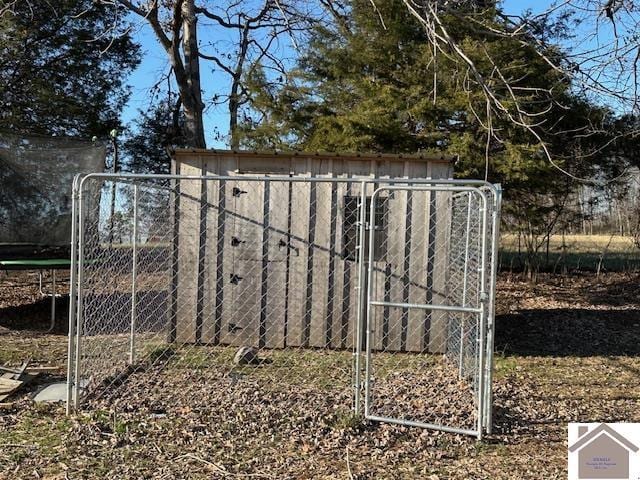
(256, 27)
(599, 56)
(257, 32)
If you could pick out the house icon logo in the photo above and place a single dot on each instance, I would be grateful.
(608, 451)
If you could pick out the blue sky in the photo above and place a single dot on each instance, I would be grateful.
(154, 63)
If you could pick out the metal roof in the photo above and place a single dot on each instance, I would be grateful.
(426, 156)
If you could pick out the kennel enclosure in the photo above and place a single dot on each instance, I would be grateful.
(371, 276)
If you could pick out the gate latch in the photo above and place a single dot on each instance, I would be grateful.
(235, 279)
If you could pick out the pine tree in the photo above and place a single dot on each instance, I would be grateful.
(63, 67)
(364, 86)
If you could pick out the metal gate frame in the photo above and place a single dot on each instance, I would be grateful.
(491, 195)
(489, 213)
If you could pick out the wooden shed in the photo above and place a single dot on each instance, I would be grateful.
(272, 264)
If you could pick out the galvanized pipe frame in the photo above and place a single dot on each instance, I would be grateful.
(77, 240)
(496, 193)
(53, 296)
(481, 395)
(134, 276)
(360, 299)
(72, 382)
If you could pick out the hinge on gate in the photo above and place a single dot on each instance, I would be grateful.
(484, 296)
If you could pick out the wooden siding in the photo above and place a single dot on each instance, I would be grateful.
(288, 284)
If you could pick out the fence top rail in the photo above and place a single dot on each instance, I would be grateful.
(80, 179)
(444, 187)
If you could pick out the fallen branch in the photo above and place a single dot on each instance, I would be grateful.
(349, 465)
(222, 470)
(18, 445)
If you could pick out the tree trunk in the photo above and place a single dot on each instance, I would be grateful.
(191, 93)
(234, 97)
(233, 119)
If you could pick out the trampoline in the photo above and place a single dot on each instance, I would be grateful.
(36, 174)
(41, 265)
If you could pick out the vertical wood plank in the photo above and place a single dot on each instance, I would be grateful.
(301, 225)
(347, 266)
(332, 261)
(319, 256)
(202, 252)
(188, 239)
(175, 254)
(274, 264)
(440, 239)
(340, 269)
(214, 250)
(417, 261)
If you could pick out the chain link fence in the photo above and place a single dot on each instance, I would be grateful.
(256, 287)
(434, 296)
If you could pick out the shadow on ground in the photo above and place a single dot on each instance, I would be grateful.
(569, 332)
(36, 315)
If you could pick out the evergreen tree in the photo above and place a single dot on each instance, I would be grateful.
(152, 136)
(63, 67)
(362, 86)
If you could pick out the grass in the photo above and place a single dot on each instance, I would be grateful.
(38, 430)
(40, 349)
(576, 252)
(504, 366)
(317, 368)
(158, 429)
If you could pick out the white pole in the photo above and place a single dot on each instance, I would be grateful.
(134, 274)
(369, 329)
(361, 290)
(464, 287)
(79, 303)
(72, 295)
(495, 247)
(53, 301)
(484, 210)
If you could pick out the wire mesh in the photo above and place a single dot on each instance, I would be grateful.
(180, 275)
(428, 294)
(36, 174)
(257, 285)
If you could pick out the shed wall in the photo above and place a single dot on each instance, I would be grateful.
(263, 264)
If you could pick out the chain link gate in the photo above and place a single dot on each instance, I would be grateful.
(437, 300)
(172, 274)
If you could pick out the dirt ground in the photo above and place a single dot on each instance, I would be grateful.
(567, 349)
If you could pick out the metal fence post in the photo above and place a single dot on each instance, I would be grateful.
(372, 221)
(484, 210)
(361, 291)
(72, 296)
(464, 287)
(495, 246)
(79, 313)
(134, 274)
